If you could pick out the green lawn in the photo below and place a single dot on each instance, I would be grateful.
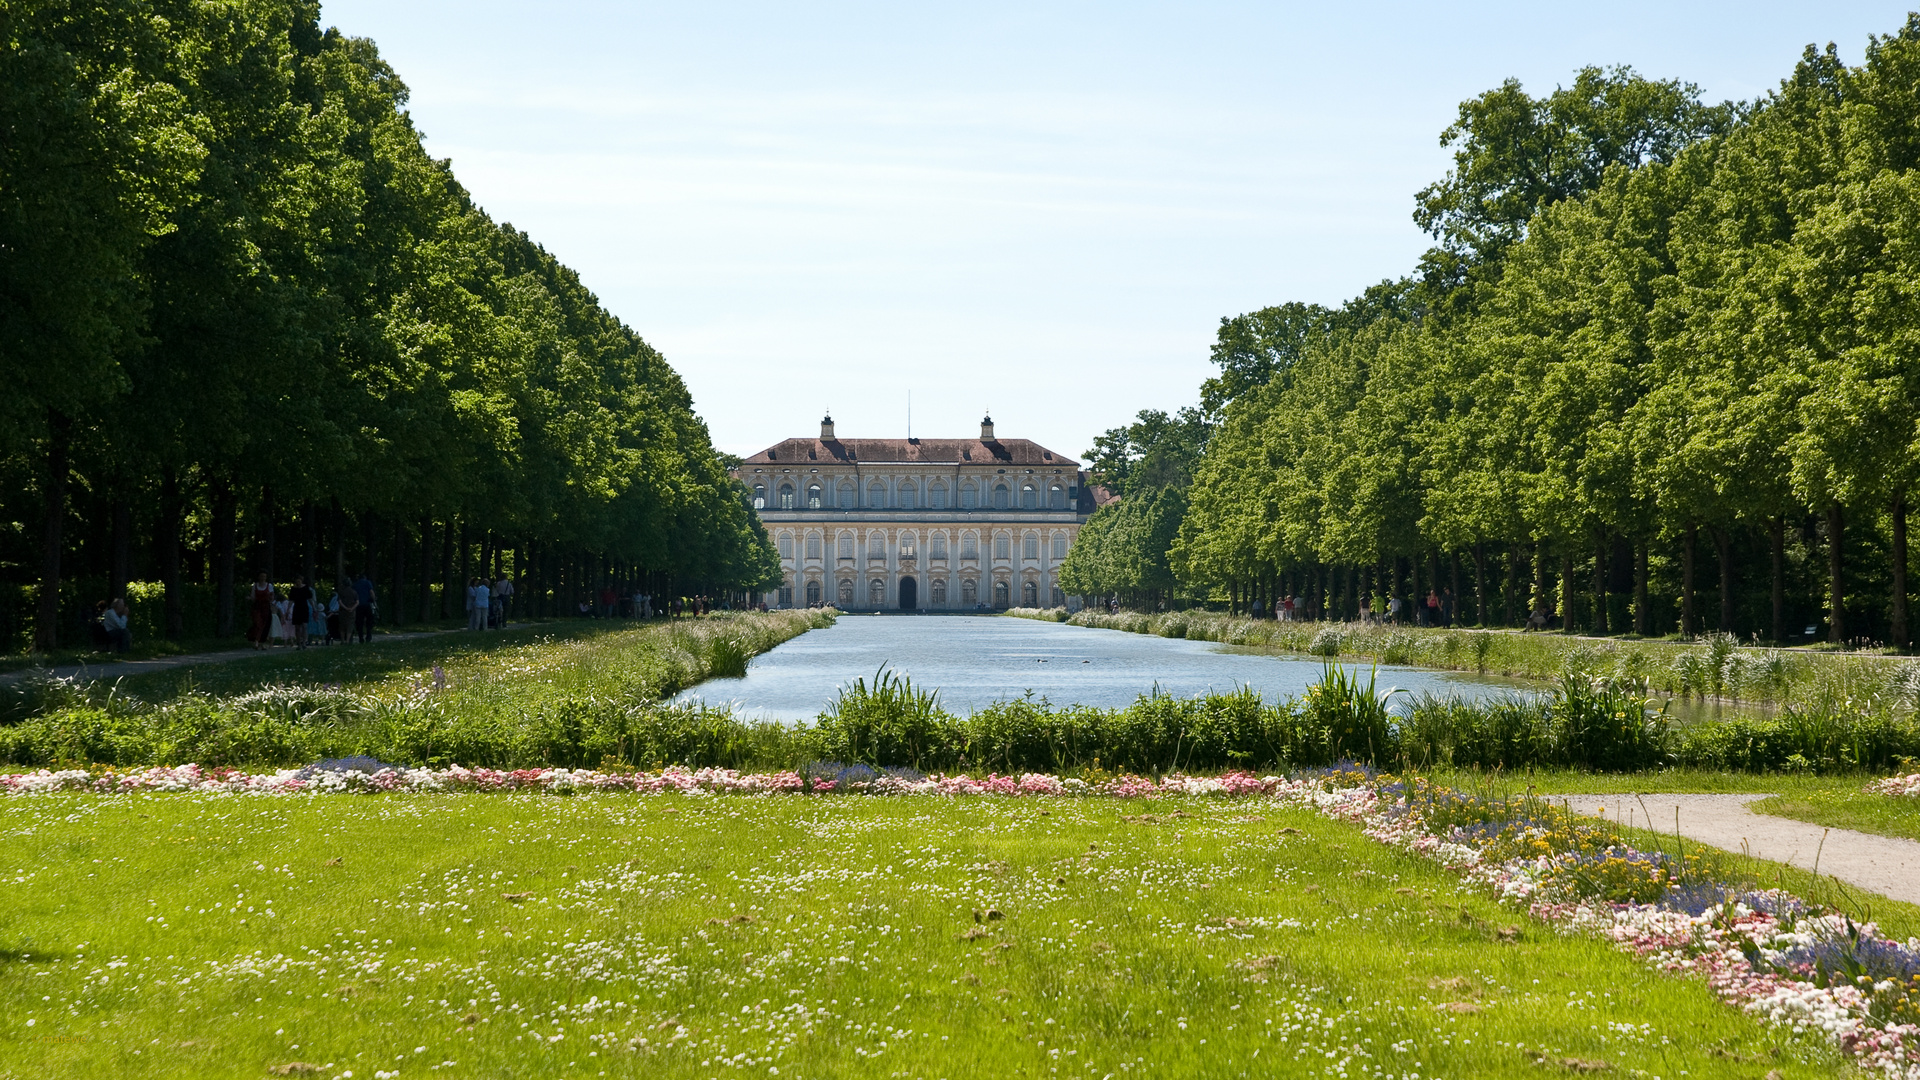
(1839, 802)
(534, 936)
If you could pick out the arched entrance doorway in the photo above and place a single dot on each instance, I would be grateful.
(909, 594)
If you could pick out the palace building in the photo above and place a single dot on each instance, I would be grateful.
(918, 524)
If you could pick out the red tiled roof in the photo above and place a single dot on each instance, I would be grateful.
(913, 451)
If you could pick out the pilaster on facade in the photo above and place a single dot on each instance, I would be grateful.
(911, 524)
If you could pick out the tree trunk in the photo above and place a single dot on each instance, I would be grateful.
(1566, 594)
(1898, 629)
(1686, 582)
(1542, 580)
(53, 536)
(220, 493)
(120, 559)
(1640, 587)
(268, 512)
(448, 586)
(399, 594)
(310, 547)
(1723, 550)
(1836, 584)
(426, 569)
(1777, 541)
(168, 533)
(1601, 621)
(339, 517)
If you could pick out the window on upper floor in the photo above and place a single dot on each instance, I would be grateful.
(937, 497)
(813, 546)
(876, 496)
(909, 545)
(759, 496)
(937, 546)
(1029, 497)
(786, 496)
(845, 501)
(999, 496)
(969, 546)
(846, 545)
(1059, 546)
(876, 546)
(1001, 543)
(786, 546)
(1030, 546)
(908, 493)
(813, 496)
(969, 496)
(1057, 497)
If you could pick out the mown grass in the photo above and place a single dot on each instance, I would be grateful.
(1713, 667)
(1861, 811)
(535, 936)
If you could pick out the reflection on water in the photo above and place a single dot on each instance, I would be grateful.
(974, 661)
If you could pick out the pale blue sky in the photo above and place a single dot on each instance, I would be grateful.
(1040, 209)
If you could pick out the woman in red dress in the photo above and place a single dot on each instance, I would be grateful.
(260, 629)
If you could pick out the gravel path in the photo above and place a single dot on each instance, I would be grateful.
(1881, 864)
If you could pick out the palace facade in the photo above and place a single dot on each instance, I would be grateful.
(918, 524)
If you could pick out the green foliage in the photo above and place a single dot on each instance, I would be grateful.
(1648, 322)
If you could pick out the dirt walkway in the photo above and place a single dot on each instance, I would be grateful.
(113, 669)
(1881, 864)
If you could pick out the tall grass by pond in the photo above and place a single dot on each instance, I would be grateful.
(535, 709)
(573, 700)
(1716, 666)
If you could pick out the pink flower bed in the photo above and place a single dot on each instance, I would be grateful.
(1908, 786)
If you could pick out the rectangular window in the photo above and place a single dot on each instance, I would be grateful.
(969, 547)
(1000, 546)
(876, 546)
(1030, 546)
(846, 547)
(1059, 546)
(907, 546)
(937, 546)
(786, 547)
(813, 547)
(938, 498)
(967, 497)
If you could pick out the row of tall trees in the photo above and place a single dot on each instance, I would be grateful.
(247, 323)
(1660, 371)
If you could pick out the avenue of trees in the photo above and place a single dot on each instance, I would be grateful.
(1659, 373)
(247, 324)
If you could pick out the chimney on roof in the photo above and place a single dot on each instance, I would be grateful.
(826, 428)
(986, 429)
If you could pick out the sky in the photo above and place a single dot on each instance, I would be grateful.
(1038, 210)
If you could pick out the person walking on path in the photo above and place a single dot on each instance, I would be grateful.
(478, 604)
(260, 612)
(502, 600)
(363, 612)
(302, 614)
(349, 617)
(119, 638)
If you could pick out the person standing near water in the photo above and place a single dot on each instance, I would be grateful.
(363, 612)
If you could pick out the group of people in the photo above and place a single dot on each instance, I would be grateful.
(296, 616)
(488, 605)
(608, 604)
(1436, 610)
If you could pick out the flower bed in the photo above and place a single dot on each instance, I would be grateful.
(1816, 972)
(1907, 786)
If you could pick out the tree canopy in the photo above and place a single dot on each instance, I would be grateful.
(238, 296)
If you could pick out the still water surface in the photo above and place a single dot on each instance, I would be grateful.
(975, 661)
